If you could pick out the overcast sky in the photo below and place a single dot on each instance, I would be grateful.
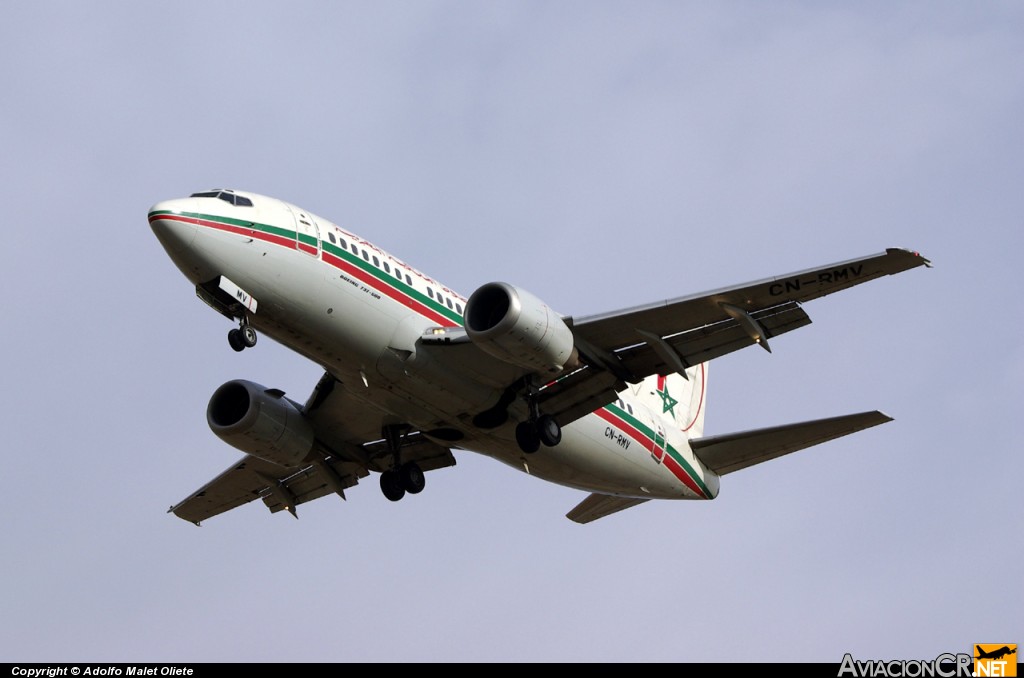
(601, 155)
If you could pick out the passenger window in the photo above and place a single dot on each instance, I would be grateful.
(448, 301)
(629, 408)
(366, 257)
(430, 293)
(387, 268)
(408, 280)
(376, 262)
(331, 236)
(458, 307)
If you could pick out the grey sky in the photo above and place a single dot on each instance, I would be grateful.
(600, 155)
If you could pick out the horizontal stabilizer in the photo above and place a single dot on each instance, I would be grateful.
(600, 505)
(734, 451)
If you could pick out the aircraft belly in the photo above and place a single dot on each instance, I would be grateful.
(588, 459)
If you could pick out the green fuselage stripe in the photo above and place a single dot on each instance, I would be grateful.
(343, 254)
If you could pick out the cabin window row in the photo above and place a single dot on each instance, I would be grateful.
(367, 257)
(442, 299)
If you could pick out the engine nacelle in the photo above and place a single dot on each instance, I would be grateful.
(514, 326)
(261, 422)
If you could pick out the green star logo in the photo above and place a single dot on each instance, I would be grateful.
(668, 403)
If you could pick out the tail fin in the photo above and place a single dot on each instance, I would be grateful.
(683, 400)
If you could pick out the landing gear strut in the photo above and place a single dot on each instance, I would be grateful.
(539, 428)
(400, 478)
(243, 337)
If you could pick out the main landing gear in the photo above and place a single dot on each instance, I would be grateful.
(539, 428)
(530, 434)
(242, 337)
(400, 478)
(406, 478)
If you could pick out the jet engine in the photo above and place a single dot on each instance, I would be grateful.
(514, 326)
(261, 422)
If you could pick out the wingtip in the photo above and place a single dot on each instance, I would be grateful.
(924, 261)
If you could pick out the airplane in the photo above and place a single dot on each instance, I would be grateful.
(610, 404)
(994, 654)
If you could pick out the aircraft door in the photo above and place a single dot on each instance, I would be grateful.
(660, 441)
(307, 233)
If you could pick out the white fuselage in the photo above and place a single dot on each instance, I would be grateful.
(360, 312)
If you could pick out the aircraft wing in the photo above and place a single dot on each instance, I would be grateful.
(251, 478)
(348, 447)
(735, 451)
(629, 345)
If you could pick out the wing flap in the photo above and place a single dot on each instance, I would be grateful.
(735, 451)
(238, 485)
(310, 483)
(599, 506)
(589, 388)
(713, 341)
(579, 394)
(252, 478)
(618, 330)
(415, 447)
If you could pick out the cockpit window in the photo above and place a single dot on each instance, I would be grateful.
(226, 196)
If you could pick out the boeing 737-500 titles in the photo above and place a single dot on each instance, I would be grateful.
(611, 404)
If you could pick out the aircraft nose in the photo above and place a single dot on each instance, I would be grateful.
(174, 224)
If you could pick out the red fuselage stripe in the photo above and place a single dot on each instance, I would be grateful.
(648, 444)
(328, 258)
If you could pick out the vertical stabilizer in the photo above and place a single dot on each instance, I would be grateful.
(678, 399)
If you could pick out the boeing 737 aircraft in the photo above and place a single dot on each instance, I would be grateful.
(611, 404)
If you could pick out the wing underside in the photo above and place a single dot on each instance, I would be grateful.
(251, 478)
(348, 447)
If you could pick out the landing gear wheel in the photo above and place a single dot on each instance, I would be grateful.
(412, 478)
(528, 437)
(549, 431)
(236, 341)
(248, 336)
(391, 485)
